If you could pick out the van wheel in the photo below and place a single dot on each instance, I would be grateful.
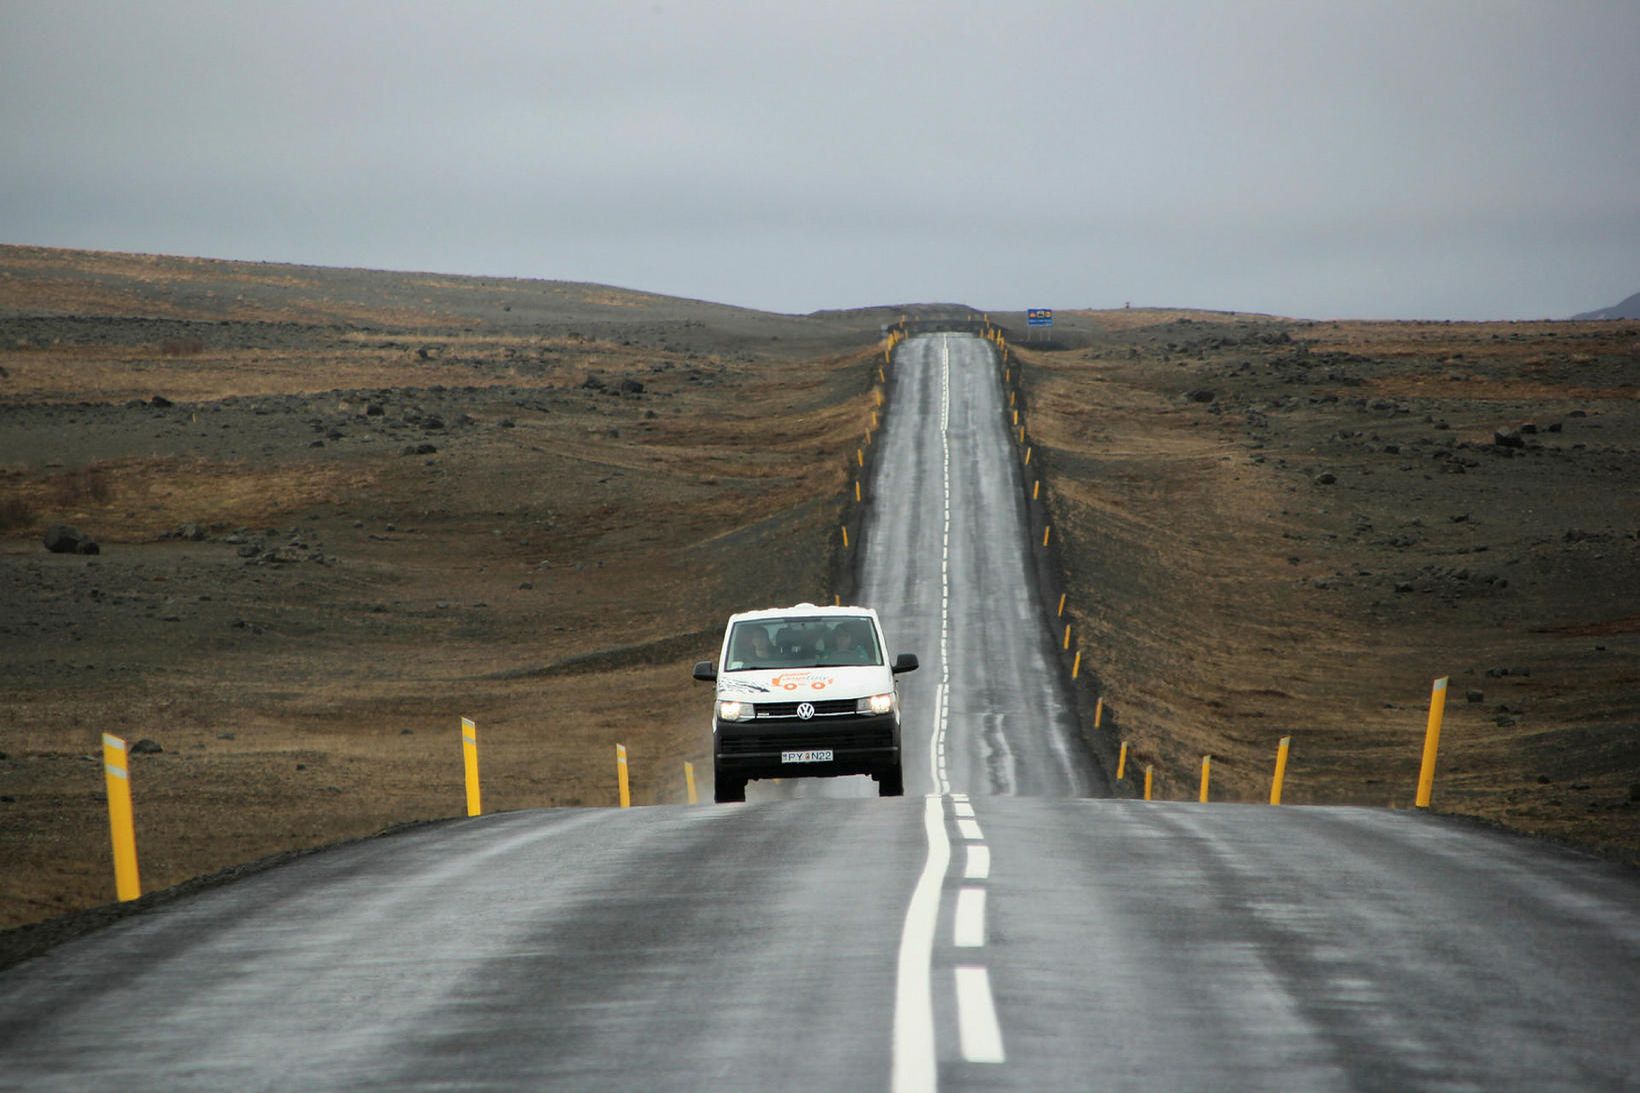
(891, 783)
(727, 790)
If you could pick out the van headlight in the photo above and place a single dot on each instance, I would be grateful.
(878, 704)
(736, 711)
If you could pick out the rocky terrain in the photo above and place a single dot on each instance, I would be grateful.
(335, 511)
(1275, 527)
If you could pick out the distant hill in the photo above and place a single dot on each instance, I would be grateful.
(1628, 309)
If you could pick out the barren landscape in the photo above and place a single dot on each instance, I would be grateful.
(337, 510)
(1274, 527)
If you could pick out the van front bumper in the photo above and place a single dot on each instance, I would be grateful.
(859, 745)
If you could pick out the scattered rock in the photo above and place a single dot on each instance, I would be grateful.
(224, 736)
(1201, 394)
(417, 449)
(160, 401)
(594, 382)
(374, 409)
(631, 387)
(1508, 438)
(1325, 478)
(63, 539)
(1474, 696)
(145, 746)
(193, 533)
(526, 586)
(407, 732)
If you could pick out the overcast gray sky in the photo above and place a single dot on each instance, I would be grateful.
(1390, 160)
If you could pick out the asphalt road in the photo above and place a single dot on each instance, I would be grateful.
(1000, 932)
(946, 571)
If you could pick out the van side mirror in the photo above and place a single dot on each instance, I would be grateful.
(905, 662)
(705, 670)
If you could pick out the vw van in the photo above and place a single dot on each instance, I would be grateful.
(805, 692)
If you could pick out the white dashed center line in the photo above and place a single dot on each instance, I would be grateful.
(977, 1017)
(970, 829)
(968, 931)
(978, 866)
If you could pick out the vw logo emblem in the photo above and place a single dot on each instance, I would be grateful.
(805, 710)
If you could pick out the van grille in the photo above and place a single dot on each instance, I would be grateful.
(830, 707)
(838, 739)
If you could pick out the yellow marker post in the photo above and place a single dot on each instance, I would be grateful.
(1045, 532)
(1022, 434)
(1147, 781)
(860, 456)
(1011, 395)
(1281, 769)
(1432, 740)
(469, 757)
(1067, 642)
(1027, 457)
(1207, 770)
(1098, 710)
(689, 781)
(1016, 414)
(1036, 488)
(1076, 665)
(856, 490)
(1061, 612)
(837, 599)
(121, 823)
(620, 775)
(1121, 762)
(845, 536)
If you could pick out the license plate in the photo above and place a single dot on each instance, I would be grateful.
(821, 756)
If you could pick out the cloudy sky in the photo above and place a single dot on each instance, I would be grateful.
(1390, 160)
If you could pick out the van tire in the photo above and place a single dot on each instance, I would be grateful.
(891, 783)
(727, 790)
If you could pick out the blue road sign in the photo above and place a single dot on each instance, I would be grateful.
(1039, 316)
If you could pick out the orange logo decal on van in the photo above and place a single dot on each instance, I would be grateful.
(791, 681)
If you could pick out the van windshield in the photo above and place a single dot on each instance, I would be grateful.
(803, 642)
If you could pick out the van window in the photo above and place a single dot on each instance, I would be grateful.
(803, 642)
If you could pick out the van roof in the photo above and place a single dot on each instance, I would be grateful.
(802, 609)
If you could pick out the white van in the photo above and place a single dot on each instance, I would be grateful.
(805, 692)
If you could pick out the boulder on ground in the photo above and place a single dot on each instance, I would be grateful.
(62, 539)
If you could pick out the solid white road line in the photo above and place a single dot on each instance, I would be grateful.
(970, 829)
(915, 1064)
(977, 1017)
(968, 931)
(978, 866)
